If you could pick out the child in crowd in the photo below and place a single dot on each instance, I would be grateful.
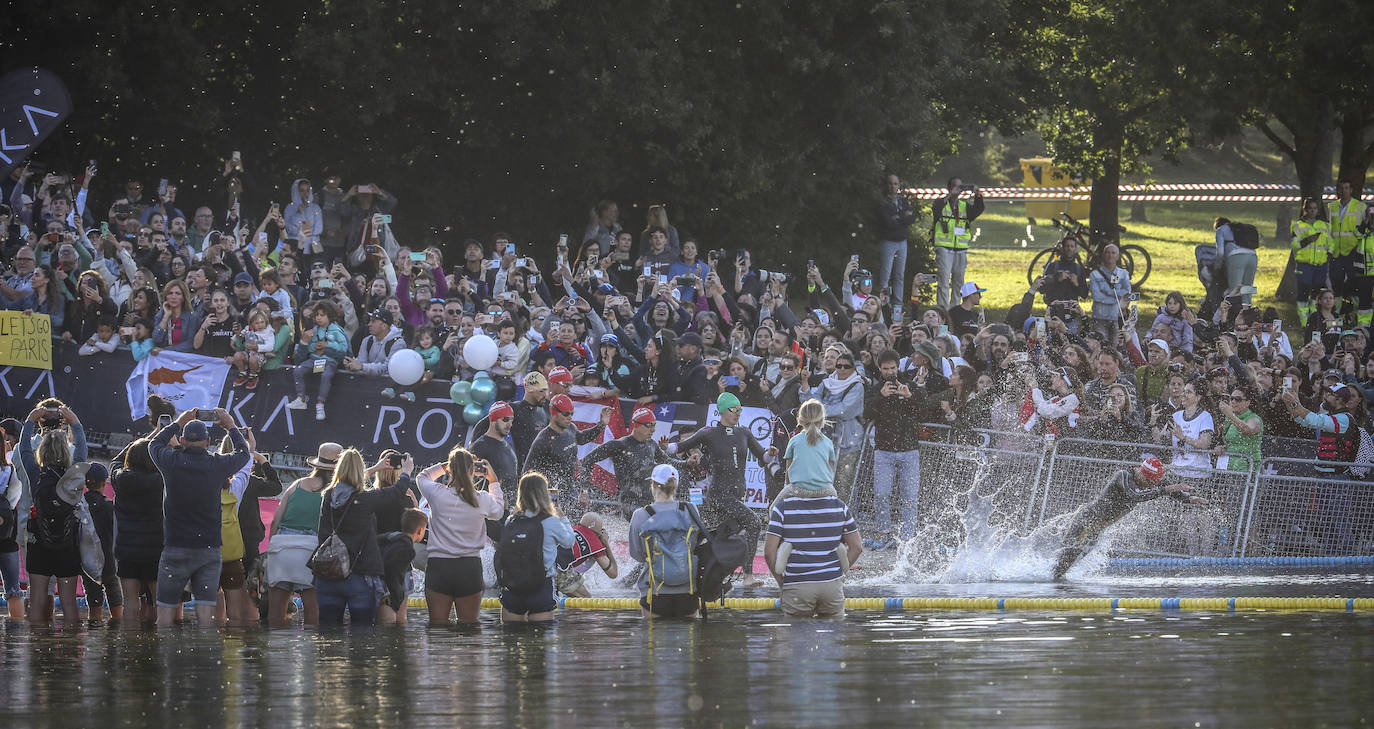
(105, 339)
(398, 551)
(258, 341)
(142, 338)
(321, 355)
(271, 288)
(105, 586)
(507, 351)
(429, 351)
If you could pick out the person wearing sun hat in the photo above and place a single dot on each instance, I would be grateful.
(1127, 487)
(634, 457)
(293, 537)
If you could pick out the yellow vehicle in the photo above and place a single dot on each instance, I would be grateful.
(1041, 172)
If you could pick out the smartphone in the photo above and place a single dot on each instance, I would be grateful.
(510, 249)
(563, 241)
(662, 279)
(386, 219)
(810, 263)
(1278, 325)
(648, 270)
(276, 208)
(104, 229)
(417, 258)
(236, 156)
(1040, 330)
(162, 186)
(206, 415)
(522, 262)
(854, 258)
(730, 380)
(395, 460)
(494, 263)
(375, 251)
(897, 315)
(597, 272)
(324, 283)
(534, 279)
(164, 420)
(1248, 291)
(944, 329)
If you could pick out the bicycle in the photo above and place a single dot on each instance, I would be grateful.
(1133, 257)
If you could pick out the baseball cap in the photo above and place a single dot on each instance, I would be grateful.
(561, 375)
(643, 416)
(691, 338)
(97, 472)
(536, 381)
(726, 401)
(968, 289)
(1161, 344)
(382, 315)
(195, 431)
(500, 409)
(1152, 469)
(663, 473)
(243, 277)
(562, 403)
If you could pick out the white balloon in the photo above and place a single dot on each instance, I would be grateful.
(406, 366)
(480, 352)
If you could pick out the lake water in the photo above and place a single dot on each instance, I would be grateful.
(741, 668)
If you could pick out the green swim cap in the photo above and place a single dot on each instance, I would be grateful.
(726, 401)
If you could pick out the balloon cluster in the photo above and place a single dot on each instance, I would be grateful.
(406, 367)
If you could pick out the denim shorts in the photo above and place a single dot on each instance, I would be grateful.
(9, 573)
(199, 566)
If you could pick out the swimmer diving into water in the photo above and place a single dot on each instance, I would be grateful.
(1128, 487)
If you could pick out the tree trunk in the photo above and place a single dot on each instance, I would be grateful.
(1104, 210)
(1138, 212)
(1313, 146)
(1356, 150)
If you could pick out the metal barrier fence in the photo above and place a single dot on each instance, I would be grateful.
(1162, 527)
(1308, 515)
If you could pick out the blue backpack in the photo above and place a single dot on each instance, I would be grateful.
(669, 538)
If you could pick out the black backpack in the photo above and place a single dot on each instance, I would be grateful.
(520, 554)
(718, 556)
(1245, 235)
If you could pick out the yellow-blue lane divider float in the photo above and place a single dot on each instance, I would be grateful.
(897, 604)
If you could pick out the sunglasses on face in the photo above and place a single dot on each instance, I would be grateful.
(844, 366)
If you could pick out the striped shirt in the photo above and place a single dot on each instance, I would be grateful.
(814, 527)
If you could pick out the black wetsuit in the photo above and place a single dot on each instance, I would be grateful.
(1117, 499)
(554, 454)
(634, 462)
(728, 448)
(499, 453)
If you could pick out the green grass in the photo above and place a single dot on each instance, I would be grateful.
(998, 262)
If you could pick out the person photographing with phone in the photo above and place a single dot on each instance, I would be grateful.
(951, 234)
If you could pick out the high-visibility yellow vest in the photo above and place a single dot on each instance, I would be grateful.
(1364, 249)
(1343, 224)
(1315, 253)
(952, 231)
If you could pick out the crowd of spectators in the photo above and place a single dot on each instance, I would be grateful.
(321, 284)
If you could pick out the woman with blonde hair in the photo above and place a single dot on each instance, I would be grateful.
(457, 534)
(176, 322)
(294, 535)
(349, 510)
(53, 551)
(810, 455)
(525, 597)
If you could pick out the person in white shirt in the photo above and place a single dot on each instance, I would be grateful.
(105, 339)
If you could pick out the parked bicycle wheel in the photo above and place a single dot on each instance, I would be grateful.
(1141, 264)
(1037, 264)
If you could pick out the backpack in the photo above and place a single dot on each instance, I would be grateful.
(1245, 235)
(331, 560)
(230, 535)
(719, 556)
(669, 537)
(57, 529)
(520, 554)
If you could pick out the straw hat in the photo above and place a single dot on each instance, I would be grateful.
(327, 456)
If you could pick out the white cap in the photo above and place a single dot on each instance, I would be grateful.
(968, 289)
(1162, 345)
(663, 473)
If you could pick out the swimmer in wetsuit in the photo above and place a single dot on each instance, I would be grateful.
(634, 457)
(1127, 488)
(728, 447)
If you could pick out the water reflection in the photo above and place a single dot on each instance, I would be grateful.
(611, 669)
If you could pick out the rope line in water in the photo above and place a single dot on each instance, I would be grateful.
(898, 604)
(895, 604)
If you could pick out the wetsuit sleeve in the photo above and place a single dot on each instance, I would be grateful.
(755, 446)
(609, 449)
(693, 440)
(590, 434)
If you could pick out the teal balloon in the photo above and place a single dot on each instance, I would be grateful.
(460, 393)
(481, 375)
(483, 391)
(472, 413)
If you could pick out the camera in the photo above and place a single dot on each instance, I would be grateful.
(686, 280)
(395, 460)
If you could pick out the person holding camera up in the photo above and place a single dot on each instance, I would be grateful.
(896, 410)
(951, 234)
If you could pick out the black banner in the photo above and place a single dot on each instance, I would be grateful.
(33, 104)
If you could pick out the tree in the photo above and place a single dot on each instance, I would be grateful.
(1115, 81)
